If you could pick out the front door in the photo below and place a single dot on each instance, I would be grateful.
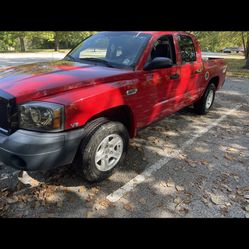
(166, 80)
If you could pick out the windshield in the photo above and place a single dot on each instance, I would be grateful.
(114, 49)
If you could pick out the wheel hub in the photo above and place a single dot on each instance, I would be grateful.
(210, 98)
(109, 152)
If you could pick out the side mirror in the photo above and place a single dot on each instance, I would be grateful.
(159, 62)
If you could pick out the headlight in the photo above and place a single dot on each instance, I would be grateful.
(41, 116)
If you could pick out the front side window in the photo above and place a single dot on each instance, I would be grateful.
(118, 49)
(187, 48)
(163, 47)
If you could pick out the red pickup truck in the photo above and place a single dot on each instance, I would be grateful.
(83, 109)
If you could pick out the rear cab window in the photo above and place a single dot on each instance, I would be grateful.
(187, 49)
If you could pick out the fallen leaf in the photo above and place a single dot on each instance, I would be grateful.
(34, 182)
(236, 178)
(95, 190)
(142, 201)
(204, 162)
(82, 189)
(66, 190)
(184, 210)
(159, 205)
(188, 193)
(104, 203)
(231, 149)
(12, 200)
(170, 183)
(177, 200)
(216, 200)
(228, 204)
(232, 196)
(205, 201)
(179, 188)
(89, 198)
(163, 184)
(230, 158)
(247, 208)
(128, 207)
(226, 187)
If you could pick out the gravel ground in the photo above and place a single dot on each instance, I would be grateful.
(207, 178)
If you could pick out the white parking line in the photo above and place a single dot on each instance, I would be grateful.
(119, 193)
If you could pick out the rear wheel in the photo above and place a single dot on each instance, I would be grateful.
(203, 105)
(103, 149)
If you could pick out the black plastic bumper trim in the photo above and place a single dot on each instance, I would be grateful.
(30, 151)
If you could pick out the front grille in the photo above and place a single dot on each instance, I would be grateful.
(8, 113)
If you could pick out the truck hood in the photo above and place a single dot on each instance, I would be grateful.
(33, 81)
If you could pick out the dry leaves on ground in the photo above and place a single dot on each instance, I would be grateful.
(179, 188)
(216, 200)
(229, 157)
(128, 207)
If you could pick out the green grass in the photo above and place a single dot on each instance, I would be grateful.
(235, 68)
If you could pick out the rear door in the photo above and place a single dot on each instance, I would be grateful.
(191, 68)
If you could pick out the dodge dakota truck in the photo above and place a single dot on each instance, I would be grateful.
(83, 109)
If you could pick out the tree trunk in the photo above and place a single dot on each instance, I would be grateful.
(247, 53)
(22, 44)
(247, 63)
(247, 47)
(244, 43)
(56, 42)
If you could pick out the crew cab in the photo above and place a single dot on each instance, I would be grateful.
(83, 109)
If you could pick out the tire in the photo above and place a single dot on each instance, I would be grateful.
(203, 105)
(100, 136)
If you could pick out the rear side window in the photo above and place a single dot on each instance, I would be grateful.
(187, 48)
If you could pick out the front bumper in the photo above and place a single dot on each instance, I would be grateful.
(28, 150)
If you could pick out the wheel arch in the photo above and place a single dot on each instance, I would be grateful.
(215, 80)
(123, 114)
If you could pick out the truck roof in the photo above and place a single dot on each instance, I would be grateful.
(163, 32)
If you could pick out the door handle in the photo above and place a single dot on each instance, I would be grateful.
(174, 76)
(131, 91)
(198, 71)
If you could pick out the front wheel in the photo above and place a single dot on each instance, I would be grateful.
(203, 105)
(102, 150)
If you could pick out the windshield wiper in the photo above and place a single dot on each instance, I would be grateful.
(107, 63)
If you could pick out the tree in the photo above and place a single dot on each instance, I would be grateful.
(243, 42)
(56, 41)
(6, 41)
(21, 37)
(216, 41)
(247, 53)
(69, 38)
